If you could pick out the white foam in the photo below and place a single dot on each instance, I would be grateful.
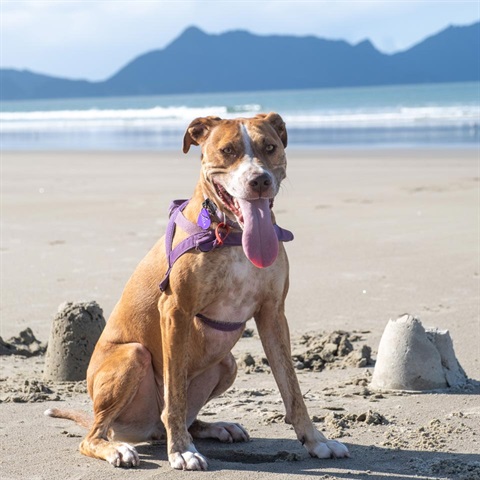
(125, 114)
(459, 115)
(104, 118)
(178, 117)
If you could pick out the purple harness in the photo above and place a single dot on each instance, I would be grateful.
(203, 240)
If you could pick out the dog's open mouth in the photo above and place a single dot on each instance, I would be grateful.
(229, 202)
(232, 203)
(259, 239)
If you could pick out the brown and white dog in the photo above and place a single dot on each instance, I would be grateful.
(157, 363)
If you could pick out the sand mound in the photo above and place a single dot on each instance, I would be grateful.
(75, 331)
(338, 423)
(28, 392)
(31, 390)
(25, 345)
(411, 357)
(314, 352)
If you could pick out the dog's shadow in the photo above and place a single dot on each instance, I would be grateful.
(288, 456)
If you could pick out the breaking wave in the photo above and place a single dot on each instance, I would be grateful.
(173, 118)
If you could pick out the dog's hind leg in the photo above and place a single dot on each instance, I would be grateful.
(114, 381)
(203, 388)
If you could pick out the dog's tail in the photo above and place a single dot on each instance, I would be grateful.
(82, 418)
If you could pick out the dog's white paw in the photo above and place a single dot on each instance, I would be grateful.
(230, 432)
(226, 432)
(123, 455)
(188, 460)
(328, 449)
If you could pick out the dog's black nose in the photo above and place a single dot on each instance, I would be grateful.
(260, 183)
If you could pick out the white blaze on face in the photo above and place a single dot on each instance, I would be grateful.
(248, 168)
(247, 142)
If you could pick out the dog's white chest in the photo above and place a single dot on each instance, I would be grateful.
(240, 293)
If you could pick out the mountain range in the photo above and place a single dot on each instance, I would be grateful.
(197, 62)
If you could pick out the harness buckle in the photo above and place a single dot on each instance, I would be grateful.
(210, 207)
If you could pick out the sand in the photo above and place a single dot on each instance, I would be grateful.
(378, 233)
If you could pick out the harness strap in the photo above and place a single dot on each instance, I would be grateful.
(199, 239)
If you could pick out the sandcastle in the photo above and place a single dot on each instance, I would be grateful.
(411, 357)
(75, 331)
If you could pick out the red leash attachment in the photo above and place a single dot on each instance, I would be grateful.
(218, 236)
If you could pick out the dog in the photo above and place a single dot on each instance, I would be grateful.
(166, 351)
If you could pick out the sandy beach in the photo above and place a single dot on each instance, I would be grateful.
(378, 233)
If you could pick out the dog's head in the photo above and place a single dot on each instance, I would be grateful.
(243, 164)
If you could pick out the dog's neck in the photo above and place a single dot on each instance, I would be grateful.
(195, 205)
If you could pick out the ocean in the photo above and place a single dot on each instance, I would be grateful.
(394, 116)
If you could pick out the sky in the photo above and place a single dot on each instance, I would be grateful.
(93, 39)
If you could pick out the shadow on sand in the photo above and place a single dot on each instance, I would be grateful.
(288, 457)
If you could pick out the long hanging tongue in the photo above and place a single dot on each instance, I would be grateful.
(259, 240)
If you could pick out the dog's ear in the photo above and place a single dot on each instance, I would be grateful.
(198, 131)
(276, 121)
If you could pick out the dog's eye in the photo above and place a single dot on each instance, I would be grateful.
(270, 148)
(227, 150)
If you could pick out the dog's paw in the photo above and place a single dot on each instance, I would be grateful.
(321, 447)
(229, 432)
(123, 455)
(328, 449)
(188, 460)
(226, 432)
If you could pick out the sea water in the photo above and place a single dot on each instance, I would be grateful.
(407, 115)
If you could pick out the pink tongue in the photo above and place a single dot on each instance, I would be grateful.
(260, 242)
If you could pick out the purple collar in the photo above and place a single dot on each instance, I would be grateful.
(222, 326)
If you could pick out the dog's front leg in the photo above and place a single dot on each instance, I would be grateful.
(182, 453)
(274, 334)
